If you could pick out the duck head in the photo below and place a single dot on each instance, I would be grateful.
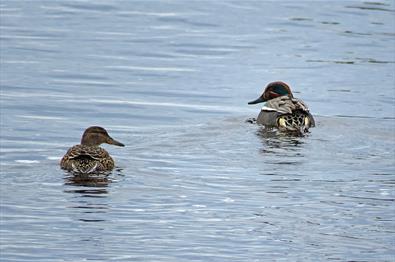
(273, 90)
(96, 135)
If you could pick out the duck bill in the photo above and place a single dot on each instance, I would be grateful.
(112, 141)
(259, 100)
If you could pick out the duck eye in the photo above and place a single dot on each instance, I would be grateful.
(280, 90)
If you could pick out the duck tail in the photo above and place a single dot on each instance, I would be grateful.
(298, 122)
(83, 167)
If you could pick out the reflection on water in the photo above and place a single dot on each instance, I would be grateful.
(275, 142)
(89, 191)
(92, 184)
(88, 185)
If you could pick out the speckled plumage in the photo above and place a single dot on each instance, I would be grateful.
(286, 114)
(89, 157)
(282, 110)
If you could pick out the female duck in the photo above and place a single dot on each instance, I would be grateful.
(88, 157)
(282, 110)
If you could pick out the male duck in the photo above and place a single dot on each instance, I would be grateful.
(282, 110)
(88, 157)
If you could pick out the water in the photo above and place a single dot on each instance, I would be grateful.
(195, 182)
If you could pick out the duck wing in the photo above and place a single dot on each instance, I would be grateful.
(285, 107)
(81, 151)
(86, 159)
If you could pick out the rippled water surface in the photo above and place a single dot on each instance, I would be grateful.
(195, 182)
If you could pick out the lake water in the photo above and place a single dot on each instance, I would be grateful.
(195, 182)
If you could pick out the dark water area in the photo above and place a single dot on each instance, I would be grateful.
(195, 182)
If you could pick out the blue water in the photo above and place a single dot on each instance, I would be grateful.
(195, 182)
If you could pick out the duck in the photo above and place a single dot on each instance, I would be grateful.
(282, 110)
(88, 157)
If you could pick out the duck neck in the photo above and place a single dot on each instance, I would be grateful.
(88, 140)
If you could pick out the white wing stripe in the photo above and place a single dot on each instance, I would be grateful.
(265, 108)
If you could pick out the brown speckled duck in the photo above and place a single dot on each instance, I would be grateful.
(89, 157)
(282, 110)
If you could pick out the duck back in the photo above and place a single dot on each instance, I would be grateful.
(286, 114)
(87, 159)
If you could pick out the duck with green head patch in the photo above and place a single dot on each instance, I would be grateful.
(282, 110)
(89, 157)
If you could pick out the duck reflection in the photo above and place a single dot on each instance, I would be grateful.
(286, 148)
(88, 185)
(88, 180)
(88, 192)
(274, 139)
